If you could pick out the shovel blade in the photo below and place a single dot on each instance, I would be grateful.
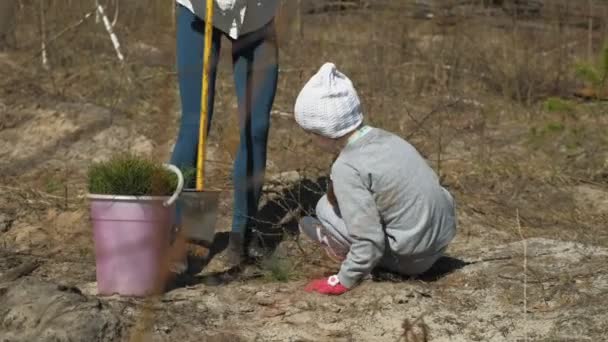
(199, 211)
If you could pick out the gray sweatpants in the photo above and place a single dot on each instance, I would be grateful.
(339, 242)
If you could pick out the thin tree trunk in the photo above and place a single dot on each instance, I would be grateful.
(8, 11)
(173, 13)
(590, 32)
(45, 61)
(299, 31)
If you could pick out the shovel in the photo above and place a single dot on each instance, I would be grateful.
(200, 205)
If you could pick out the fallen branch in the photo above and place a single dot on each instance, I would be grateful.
(411, 334)
(282, 114)
(65, 30)
(420, 124)
(506, 257)
(334, 6)
(19, 271)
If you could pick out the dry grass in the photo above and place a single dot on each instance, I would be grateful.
(467, 88)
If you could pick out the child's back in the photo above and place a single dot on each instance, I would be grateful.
(393, 213)
(417, 213)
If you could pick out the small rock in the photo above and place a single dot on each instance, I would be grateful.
(269, 313)
(302, 305)
(89, 289)
(6, 223)
(129, 311)
(424, 293)
(262, 294)
(292, 311)
(271, 167)
(284, 289)
(403, 298)
(299, 318)
(386, 300)
(289, 177)
(70, 289)
(248, 289)
(265, 301)
(333, 319)
(246, 308)
(332, 307)
(165, 329)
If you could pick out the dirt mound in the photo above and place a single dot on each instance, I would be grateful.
(480, 297)
(35, 310)
(482, 301)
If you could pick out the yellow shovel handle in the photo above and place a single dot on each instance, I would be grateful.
(200, 171)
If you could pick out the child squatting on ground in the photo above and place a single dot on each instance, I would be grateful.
(389, 210)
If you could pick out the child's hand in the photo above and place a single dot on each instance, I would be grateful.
(327, 286)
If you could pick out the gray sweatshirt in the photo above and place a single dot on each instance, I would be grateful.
(389, 197)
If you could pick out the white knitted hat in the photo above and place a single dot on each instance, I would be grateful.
(328, 104)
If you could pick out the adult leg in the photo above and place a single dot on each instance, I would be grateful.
(190, 46)
(255, 58)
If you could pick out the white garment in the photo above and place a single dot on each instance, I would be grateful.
(235, 17)
(328, 104)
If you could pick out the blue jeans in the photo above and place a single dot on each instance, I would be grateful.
(255, 67)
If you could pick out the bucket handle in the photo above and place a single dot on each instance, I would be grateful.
(180, 184)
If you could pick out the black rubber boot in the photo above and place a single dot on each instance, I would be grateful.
(255, 246)
(236, 250)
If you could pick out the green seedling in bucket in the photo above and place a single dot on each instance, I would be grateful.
(129, 175)
(132, 208)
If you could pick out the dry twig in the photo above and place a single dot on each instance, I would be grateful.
(19, 271)
(416, 331)
(523, 240)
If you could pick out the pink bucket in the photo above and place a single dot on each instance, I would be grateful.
(132, 238)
